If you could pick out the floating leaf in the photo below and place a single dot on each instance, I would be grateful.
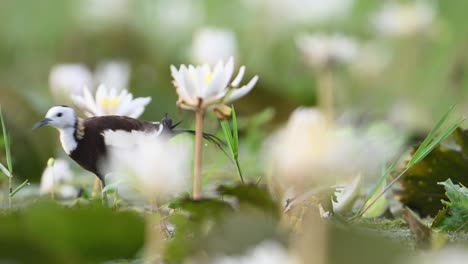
(420, 190)
(54, 234)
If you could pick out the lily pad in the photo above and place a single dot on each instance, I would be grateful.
(419, 189)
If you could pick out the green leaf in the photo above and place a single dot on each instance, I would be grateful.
(375, 192)
(455, 216)
(235, 132)
(232, 138)
(6, 142)
(381, 205)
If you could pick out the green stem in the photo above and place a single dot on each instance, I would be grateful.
(239, 171)
(198, 154)
(10, 191)
(384, 191)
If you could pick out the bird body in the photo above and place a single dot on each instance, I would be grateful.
(85, 140)
(89, 141)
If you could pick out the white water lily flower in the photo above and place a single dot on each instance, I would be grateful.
(98, 14)
(322, 50)
(292, 12)
(113, 73)
(148, 165)
(453, 254)
(404, 19)
(266, 252)
(111, 102)
(173, 17)
(202, 87)
(66, 79)
(57, 179)
(213, 44)
(311, 151)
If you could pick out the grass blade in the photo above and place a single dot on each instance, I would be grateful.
(26, 182)
(6, 141)
(423, 150)
(373, 193)
(235, 133)
(228, 135)
(5, 170)
(441, 137)
(431, 134)
(232, 138)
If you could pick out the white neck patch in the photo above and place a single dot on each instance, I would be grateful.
(67, 138)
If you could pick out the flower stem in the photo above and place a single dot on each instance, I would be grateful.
(325, 94)
(198, 154)
(10, 190)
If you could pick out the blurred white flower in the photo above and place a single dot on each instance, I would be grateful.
(449, 255)
(210, 45)
(66, 79)
(57, 178)
(113, 73)
(175, 16)
(404, 19)
(94, 14)
(202, 87)
(310, 150)
(371, 61)
(110, 101)
(151, 165)
(322, 50)
(267, 252)
(302, 11)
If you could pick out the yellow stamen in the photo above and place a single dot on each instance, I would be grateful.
(208, 78)
(110, 102)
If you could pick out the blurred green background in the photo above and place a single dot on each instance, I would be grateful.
(425, 74)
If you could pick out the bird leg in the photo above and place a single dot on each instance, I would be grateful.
(103, 194)
(99, 185)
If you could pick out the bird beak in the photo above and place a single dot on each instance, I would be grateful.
(42, 123)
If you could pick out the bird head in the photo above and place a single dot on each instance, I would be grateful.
(60, 117)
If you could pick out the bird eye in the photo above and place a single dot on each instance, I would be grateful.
(59, 114)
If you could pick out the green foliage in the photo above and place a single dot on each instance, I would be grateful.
(455, 216)
(244, 217)
(6, 140)
(232, 138)
(381, 203)
(433, 139)
(54, 234)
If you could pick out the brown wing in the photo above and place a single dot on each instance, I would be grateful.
(100, 124)
(91, 148)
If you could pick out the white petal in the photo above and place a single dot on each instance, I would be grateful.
(129, 109)
(216, 86)
(229, 70)
(238, 93)
(189, 87)
(90, 102)
(239, 77)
